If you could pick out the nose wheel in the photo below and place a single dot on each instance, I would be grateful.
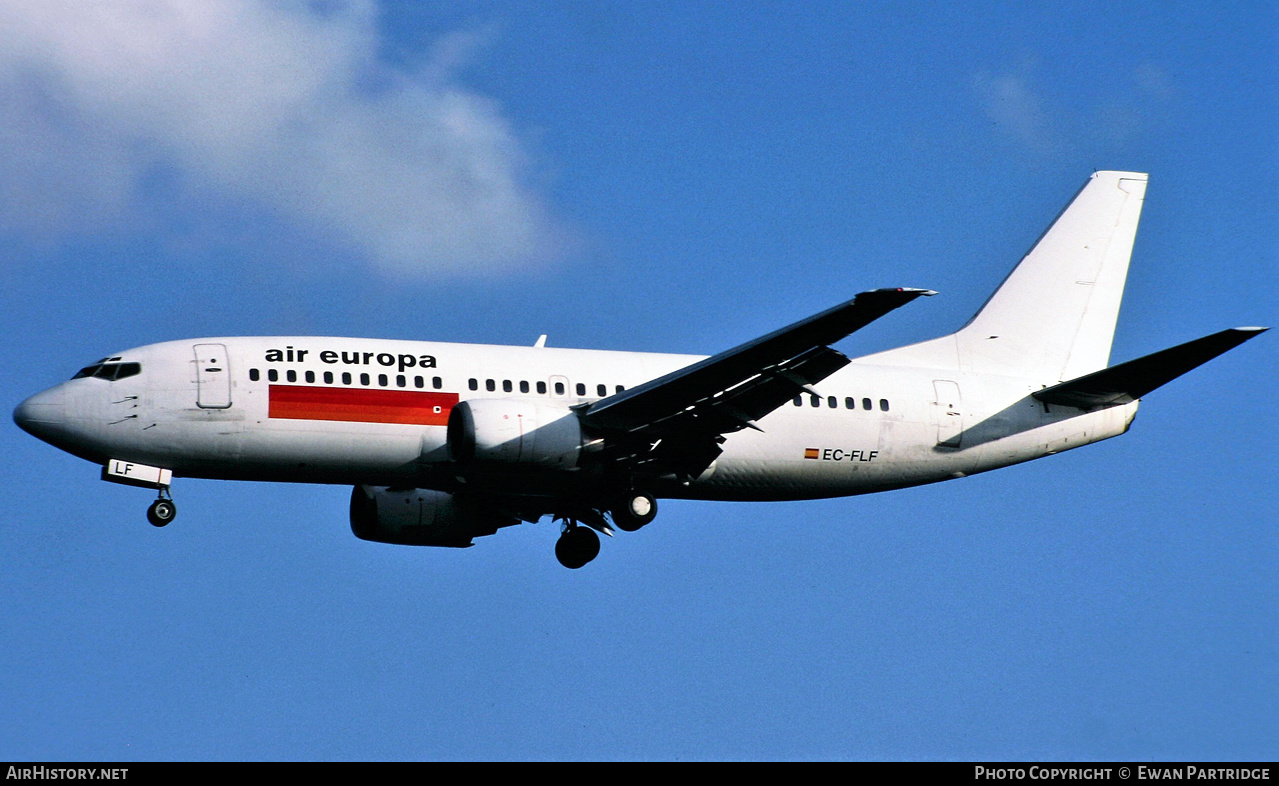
(161, 512)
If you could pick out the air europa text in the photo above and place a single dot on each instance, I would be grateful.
(291, 355)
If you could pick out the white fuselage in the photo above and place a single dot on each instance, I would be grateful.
(333, 410)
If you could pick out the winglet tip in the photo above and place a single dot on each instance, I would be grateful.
(915, 291)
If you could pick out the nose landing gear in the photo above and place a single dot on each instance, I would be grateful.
(131, 473)
(162, 511)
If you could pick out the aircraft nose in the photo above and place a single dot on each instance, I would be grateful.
(41, 414)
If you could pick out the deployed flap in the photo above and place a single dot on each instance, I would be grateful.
(775, 368)
(1130, 381)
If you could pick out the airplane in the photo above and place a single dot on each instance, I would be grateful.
(443, 442)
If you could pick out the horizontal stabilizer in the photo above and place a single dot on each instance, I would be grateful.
(1130, 381)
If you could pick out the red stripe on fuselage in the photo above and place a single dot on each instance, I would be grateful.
(361, 405)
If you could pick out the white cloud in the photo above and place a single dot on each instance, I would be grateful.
(1068, 120)
(1012, 103)
(276, 102)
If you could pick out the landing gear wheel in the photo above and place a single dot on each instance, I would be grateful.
(633, 510)
(577, 546)
(161, 512)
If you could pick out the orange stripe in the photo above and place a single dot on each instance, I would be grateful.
(300, 402)
(811, 453)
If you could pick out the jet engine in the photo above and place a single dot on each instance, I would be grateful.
(420, 517)
(510, 431)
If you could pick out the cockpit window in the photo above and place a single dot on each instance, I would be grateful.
(110, 371)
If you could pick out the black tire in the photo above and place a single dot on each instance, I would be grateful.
(161, 512)
(576, 547)
(633, 510)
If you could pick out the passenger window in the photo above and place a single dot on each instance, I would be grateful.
(346, 377)
(523, 385)
(381, 379)
(507, 387)
(364, 379)
(559, 388)
(253, 375)
(601, 390)
(541, 388)
(418, 382)
(850, 402)
(400, 381)
(620, 388)
(816, 401)
(490, 385)
(832, 402)
(581, 389)
(473, 383)
(866, 404)
(437, 383)
(799, 401)
(272, 375)
(310, 376)
(328, 377)
(883, 405)
(291, 375)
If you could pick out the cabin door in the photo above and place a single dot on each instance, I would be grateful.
(949, 413)
(212, 376)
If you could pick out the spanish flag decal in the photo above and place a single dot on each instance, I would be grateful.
(360, 405)
(811, 453)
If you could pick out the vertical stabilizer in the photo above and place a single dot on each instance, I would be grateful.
(1054, 317)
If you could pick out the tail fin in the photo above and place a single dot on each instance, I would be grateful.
(1054, 317)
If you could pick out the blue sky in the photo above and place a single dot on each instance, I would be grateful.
(659, 176)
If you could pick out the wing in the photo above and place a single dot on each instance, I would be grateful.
(675, 423)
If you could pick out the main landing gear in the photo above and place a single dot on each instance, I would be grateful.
(633, 510)
(162, 511)
(579, 544)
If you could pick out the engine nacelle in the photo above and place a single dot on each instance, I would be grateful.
(511, 431)
(419, 517)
